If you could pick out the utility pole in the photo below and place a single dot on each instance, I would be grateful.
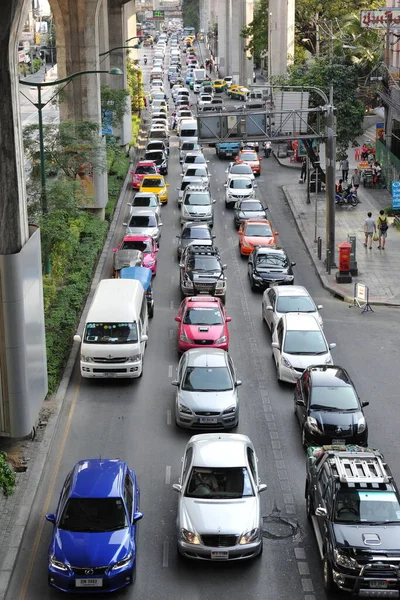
(317, 38)
(330, 182)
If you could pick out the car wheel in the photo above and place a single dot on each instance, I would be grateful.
(328, 579)
(261, 549)
(151, 312)
(309, 505)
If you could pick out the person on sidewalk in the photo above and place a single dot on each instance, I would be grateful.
(356, 180)
(383, 226)
(369, 230)
(303, 172)
(344, 165)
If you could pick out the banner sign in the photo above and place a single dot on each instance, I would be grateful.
(380, 19)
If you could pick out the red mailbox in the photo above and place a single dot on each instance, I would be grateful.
(344, 257)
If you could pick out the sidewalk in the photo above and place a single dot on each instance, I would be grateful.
(379, 270)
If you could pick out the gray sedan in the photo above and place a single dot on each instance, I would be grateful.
(249, 209)
(144, 221)
(206, 396)
(219, 509)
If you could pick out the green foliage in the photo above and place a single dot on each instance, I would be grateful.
(7, 475)
(113, 101)
(324, 72)
(135, 85)
(256, 33)
(36, 63)
(191, 14)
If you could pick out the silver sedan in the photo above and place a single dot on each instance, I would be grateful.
(219, 509)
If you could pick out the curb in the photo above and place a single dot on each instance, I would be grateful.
(25, 506)
(324, 281)
(296, 166)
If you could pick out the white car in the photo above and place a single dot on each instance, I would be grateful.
(219, 507)
(279, 300)
(298, 342)
(240, 169)
(238, 187)
(203, 100)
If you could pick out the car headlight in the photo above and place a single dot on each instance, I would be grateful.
(220, 284)
(184, 409)
(221, 340)
(86, 358)
(345, 561)
(246, 244)
(361, 425)
(57, 564)
(122, 563)
(249, 537)
(312, 425)
(229, 411)
(187, 283)
(286, 363)
(184, 338)
(190, 537)
(257, 276)
(134, 358)
(289, 277)
(151, 262)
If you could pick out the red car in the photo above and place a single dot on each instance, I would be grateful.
(251, 158)
(202, 323)
(144, 167)
(145, 244)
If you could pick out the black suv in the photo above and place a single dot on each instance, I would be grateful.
(202, 272)
(354, 507)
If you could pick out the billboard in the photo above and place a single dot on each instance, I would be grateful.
(380, 19)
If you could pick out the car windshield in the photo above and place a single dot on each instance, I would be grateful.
(241, 184)
(155, 146)
(143, 169)
(145, 201)
(195, 159)
(335, 397)
(231, 482)
(93, 515)
(204, 263)
(197, 199)
(304, 342)
(255, 230)
(111, 333)
(152, 183)
(156, 156)
(272, 260)
(251, 206)
(241, 170)
(143, 221)
(203, 316)
(196, 233)
(144, 247)
(207, 379)
(301, 304)
(366, 506)
(196, 172)
(248, 156)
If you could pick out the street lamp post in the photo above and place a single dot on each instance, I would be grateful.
(40, 105)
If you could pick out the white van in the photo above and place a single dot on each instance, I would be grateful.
(116, 330)
(188, 131)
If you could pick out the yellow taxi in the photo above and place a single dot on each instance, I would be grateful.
(157, 185)
(219, 85)
(239, 93)
(232, 88)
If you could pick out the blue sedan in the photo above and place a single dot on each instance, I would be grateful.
(93, 546)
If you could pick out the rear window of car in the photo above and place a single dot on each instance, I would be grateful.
(152, 182)
(143, 221)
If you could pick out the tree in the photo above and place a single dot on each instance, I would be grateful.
(113, 105)
(135, 85)
(191, 14)
(324, 72)
(256, 32)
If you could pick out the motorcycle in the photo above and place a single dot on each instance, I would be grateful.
(267, 149)
(347, 197)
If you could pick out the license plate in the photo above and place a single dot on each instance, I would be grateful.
(220, 554)
(378, 585)
(338, 442)
(208, 420)
(229, 154)
(110, 375)
(89, 582)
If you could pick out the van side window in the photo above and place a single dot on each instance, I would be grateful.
(143, 313)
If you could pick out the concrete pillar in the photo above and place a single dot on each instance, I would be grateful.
(222, 10)
(237, 43)
(23, 368)
(247, 65)
(281, 36)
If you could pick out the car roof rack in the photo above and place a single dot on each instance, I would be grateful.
(199, 249)
(366, 467)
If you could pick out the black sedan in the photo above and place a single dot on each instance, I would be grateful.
(160, 158)
(268, 265)
(248, 209)
(194, 234)
(328, 408)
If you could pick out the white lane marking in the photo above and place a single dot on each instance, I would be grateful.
(165, 554)
(167, 475)
(169, 417)
(171, 334)
(170, 371)
(171, 304)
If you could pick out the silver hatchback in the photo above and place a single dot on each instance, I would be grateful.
(219, 509)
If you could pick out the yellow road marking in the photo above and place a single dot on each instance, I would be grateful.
(46, 505)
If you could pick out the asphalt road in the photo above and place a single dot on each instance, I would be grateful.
(132, 420)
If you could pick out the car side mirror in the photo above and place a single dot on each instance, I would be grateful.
(224, 267)
(320, 307)
(262, 487)
(255, 185)
(228, 319)
(77, 338)
(178, 236)
(144, 338)
(156, 249)
(275, 345)
(214, 201)
(175, 382)
(332, 346)
(276, 233)
(178, 319)
(213, 237)
(363, 404)
(269, 307)
(300, 401)
(160, 224)
(321, 512)
(293, 264)
(177, 487)
(136, 517)
(129, 203)
(125, 224)
(167, 184)
(115, 249)
(225, 185)
(238, 383)
(51, 517)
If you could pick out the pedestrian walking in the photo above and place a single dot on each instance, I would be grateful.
(369, 230)
(303, 172)
(210, 67)
(357, 154)
(344, 165)
(356, 180)
(383, 226)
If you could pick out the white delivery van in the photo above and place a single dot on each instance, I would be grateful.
(188, 131)
(116, 330)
